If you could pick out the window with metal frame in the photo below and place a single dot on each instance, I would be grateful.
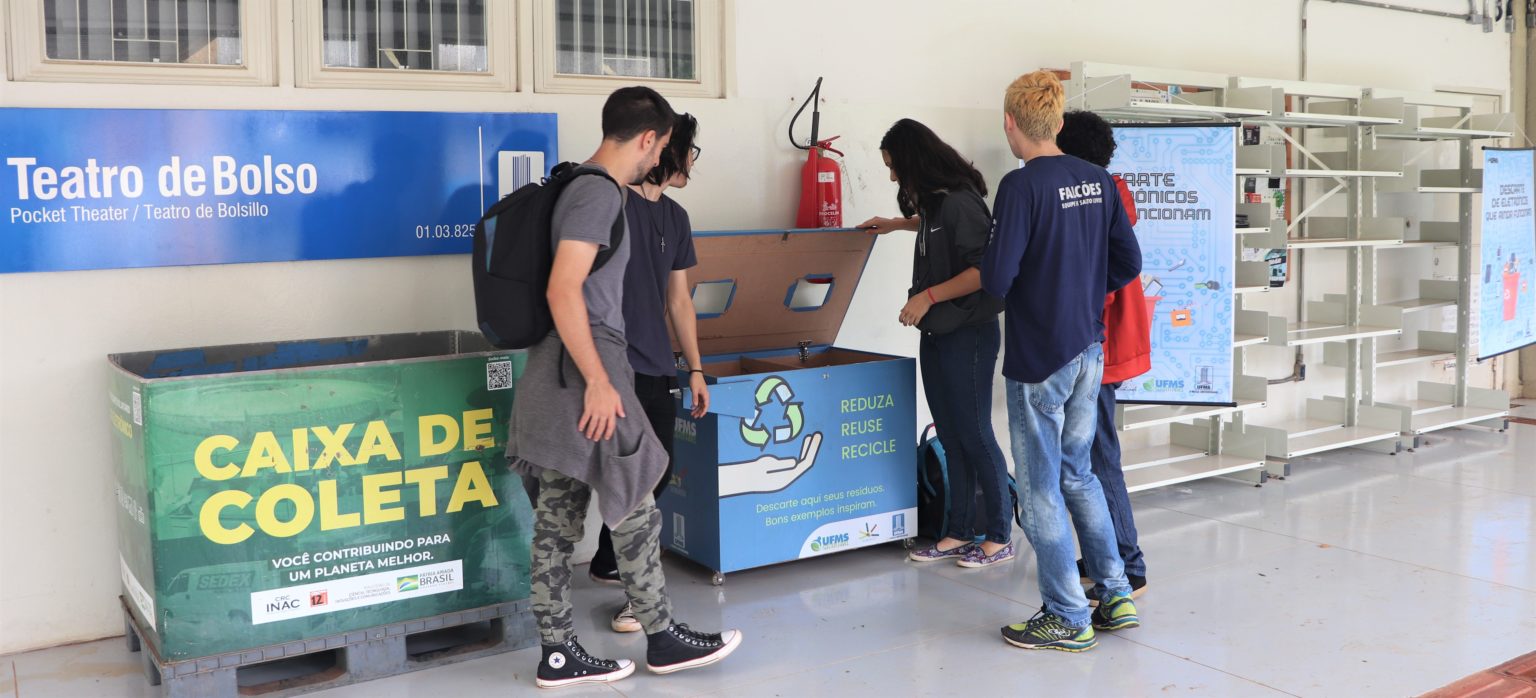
(649, 39)
(431, 35)
(190, 32)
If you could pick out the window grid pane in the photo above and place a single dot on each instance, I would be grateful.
(436, 35)
(630, 38)
(194, 32)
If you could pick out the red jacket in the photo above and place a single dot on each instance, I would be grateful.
(1127, 323)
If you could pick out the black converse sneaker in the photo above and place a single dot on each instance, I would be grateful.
(569, 664)
(679, 647)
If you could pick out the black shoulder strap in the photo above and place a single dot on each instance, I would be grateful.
(616, 232)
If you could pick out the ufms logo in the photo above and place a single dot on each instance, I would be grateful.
(829, 542)
(898, 525)
(686, 430)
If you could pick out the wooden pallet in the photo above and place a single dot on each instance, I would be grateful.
(316, 664)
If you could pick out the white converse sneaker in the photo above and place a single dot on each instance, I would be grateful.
(568, 664)
(625, 621)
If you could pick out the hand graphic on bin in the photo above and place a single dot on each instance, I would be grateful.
(769, 473)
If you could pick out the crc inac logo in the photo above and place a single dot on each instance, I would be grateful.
(771, 424)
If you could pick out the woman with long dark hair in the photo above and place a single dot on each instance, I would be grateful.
(940, 196)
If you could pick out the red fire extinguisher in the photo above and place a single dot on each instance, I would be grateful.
(821, 179)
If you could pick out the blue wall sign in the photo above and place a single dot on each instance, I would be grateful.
(118, 188)
(1184, 180)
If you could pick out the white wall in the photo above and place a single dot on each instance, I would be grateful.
(943, 63)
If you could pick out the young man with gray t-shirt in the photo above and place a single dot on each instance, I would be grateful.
(578, 427)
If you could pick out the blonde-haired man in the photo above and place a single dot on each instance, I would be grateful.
(1061, 241)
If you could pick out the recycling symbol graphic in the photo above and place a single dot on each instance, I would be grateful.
(756, 433)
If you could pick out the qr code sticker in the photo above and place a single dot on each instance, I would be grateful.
(498, 375)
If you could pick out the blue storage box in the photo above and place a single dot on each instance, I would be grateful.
(808, 448)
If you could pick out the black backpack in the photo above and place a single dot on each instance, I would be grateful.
(512, 256)
(933, 491)
(932, 487)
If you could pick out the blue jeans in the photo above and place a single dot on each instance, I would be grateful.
(1107, 467)
(958, 370)
(1053, 424)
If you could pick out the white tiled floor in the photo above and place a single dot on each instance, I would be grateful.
(1360, 575)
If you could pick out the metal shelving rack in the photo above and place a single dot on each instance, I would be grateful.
(1339, 322)
(1210, 441)
(1438, 405)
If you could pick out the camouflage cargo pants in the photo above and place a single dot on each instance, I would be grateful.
(559, 515)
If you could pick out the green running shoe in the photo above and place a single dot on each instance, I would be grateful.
(1046, 631)
(1118, 613)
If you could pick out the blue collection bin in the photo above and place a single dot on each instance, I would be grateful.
(808, 448)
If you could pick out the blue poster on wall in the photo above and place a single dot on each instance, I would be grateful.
(1184, 181)
(120, 188)
(1507, 300)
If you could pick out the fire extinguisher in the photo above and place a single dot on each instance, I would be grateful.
(821, 179)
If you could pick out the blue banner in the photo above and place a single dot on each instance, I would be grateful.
(1184, 181)
(119, 188)
(1507, 301)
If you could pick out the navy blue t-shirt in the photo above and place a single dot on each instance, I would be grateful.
(661, 241)
(1060, 242)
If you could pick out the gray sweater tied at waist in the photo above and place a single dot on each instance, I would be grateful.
(622, 470)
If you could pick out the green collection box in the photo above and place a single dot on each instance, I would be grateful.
(268, 493)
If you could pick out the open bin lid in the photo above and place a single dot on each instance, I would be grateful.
(764, 274)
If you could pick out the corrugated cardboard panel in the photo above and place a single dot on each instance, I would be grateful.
(765, 267)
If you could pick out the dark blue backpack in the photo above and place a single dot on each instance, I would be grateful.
(933, 488)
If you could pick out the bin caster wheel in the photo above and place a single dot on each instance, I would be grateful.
(717, 579)
(909, 543)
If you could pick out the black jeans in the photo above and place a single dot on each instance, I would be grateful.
(655, 393)
(1107, 467)
(958, 370)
